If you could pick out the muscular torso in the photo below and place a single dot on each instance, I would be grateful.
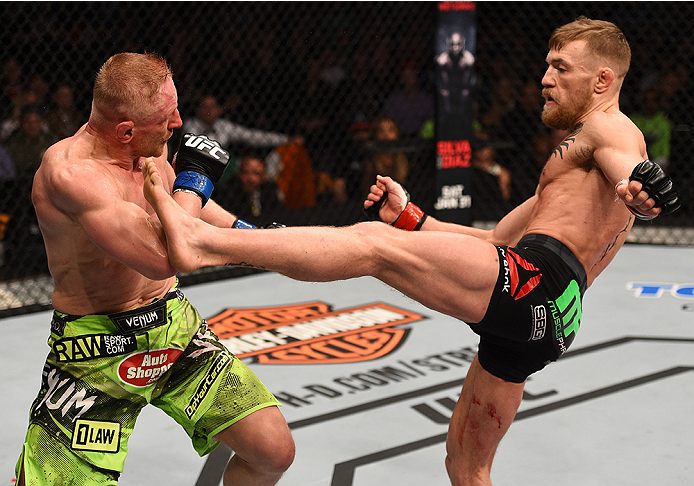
(577, 204)
(88, 280)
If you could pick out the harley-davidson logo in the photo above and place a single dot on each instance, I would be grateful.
(312, 332)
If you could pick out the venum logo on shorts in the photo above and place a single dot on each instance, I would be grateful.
(93, 346)
(539, 322)
(524, 276)
(96, 435)
(312, 332)
(144, 368)
(146, 317)
(62, 392)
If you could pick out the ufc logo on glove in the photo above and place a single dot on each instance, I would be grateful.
(205, 145)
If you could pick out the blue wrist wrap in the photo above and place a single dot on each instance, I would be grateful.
(239, 223)
(195, 182)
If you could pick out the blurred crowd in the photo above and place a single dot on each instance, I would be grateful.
(311, 121)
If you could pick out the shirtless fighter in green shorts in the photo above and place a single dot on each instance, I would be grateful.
(123, 335)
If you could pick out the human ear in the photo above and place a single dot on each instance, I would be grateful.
(605, 79)
(124, 131)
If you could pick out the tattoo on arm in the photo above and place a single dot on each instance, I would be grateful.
(245, 265)
(565, 143)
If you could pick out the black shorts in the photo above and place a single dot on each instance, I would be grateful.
(535, 309)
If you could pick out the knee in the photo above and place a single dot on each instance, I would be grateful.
(283, 455)
(275, 454)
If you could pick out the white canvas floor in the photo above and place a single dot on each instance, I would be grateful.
(615, 410)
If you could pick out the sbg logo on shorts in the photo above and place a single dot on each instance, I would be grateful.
(539, 322)
(98, 436)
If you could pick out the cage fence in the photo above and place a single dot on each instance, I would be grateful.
(308, 88)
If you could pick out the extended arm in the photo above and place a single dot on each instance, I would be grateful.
(507, 232)
(620, 152)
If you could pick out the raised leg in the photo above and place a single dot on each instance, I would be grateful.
(448, 272)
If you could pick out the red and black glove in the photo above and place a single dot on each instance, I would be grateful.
(411, 218)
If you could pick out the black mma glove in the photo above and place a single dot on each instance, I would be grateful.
(199, 164)
(658, 185)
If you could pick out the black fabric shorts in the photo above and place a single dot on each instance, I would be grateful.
(535, 309)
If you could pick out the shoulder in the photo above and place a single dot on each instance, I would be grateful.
(73, 182)
(610, 129)
(608, 124)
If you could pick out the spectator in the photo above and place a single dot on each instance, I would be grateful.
(410, 106)
(251, 195)
(12, 87)
(62, 118)
(523, 121)
(503, 102)
(209, 122)
(39, 87)
(520, 128)
(656, 127)
(385, 159)
(28, 143)
(26, 146)
(491, 185)
(11, 124)
(7, 169)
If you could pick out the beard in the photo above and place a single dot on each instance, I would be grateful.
(564, 117)
(153, 146)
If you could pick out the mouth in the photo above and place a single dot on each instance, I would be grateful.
(548, 98)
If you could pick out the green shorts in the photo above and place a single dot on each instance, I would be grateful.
(103, 369)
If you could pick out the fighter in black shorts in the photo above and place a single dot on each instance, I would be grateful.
(535, 309)
(527, 308)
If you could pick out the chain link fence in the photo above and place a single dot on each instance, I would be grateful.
(304, 95)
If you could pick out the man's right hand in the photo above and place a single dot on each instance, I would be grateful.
(199, 164)
(389, 197)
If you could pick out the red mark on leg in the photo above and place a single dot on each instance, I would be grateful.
(491, 410)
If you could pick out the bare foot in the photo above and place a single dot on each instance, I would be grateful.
(180, 227)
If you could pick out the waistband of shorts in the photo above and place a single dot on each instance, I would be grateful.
(131, 321)
(559, 249)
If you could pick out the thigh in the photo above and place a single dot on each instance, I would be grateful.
(208, 389)
(452, 273)
(483, 414)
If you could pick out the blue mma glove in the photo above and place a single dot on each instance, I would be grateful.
(658, 185)
(199, 164)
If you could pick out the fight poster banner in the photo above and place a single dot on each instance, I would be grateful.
(455, 78)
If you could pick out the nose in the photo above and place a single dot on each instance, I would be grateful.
(547, 78)
(176, 121)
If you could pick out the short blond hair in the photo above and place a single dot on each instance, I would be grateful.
(127, 84)
(604, 39)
